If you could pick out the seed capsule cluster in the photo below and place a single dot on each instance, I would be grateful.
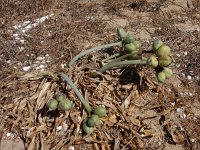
(59, 102)
(94, 120)
(161, 59)
(130, 43)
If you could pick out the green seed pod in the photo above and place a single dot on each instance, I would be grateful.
(122, 33)
(52, 104)
(153, 61)
(165, 61)
(130, 47)
(65, 104)
(163, 50)
(129, 39)
(93, 121)
(156, 44)
(168, 72)
(87, 129)
(161, 76)
(137, 44)
(100, 111)
(59, 96)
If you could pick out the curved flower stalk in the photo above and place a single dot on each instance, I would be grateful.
(124, 56)
(123, 63)
(86, 52)
(84, 102)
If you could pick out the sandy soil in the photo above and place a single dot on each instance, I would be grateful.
(38, 38)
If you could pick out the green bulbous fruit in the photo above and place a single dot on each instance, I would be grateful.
(137, 44)
(100, 111)
(156, 44)
(65, 105)
(130, 47)
(168, 72)
(87, 129)
(163, 50)
(93, 121)
(52, 104)
(122, 33)
(59, 96)
(164, 61)
(161, 76)
(129, 39)
(153, 61)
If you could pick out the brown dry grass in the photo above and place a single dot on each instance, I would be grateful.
(140, 115)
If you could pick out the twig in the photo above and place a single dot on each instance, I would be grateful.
(93, 50)
(84, 102)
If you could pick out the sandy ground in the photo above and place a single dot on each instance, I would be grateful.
(39, 37)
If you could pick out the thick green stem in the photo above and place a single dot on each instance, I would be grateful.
(86, 52)
(122, 63)
(124, 56)
(84, 102)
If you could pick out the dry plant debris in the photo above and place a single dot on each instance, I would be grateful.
(141, 114)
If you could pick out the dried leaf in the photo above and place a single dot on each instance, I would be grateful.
(112, 119)
(42, 141)
(177, 136)
(126, 102)
(147, 133)
(135, 121)
(32, 144)
(117, 142)
(41, 97)
(31, 132)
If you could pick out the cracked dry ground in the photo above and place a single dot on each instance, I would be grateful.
(141, 115)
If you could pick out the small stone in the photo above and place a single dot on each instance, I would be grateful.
(197, 77)
(173, 104)
(179, 110)
(37, 68)
(8, 61)
(185, 53)
(41, 66)
(182, 129)
(178, 65)
(63, 65)
(8, 134)
(71, 148)
(19, 63)
(192, 140)
(65, 126)
(26, 68)
(189, 77)
(181, 94)
(183, 116)
(183, 75)
(58, 128)
(190, 94)
(142, 135)
(21, 48)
